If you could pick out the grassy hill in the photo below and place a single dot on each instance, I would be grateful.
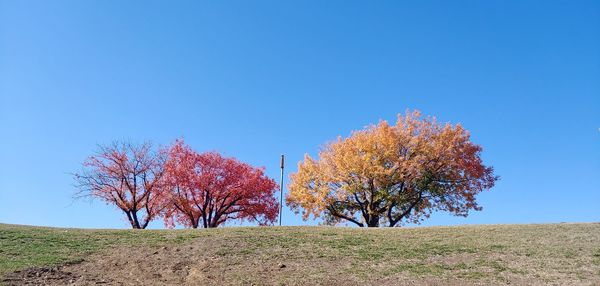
(489, 254)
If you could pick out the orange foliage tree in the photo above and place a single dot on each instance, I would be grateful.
(207, 189)
(386, 174)
(128, 176)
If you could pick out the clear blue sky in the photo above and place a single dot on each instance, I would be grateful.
(254, 79)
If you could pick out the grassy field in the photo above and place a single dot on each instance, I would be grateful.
(24, 246)
(492, 254)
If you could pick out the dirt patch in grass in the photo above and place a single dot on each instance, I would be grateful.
(560, 254)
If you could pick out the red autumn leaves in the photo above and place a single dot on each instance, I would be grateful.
(207, 189)
(381, 175)
(129, 177)
(178, 184)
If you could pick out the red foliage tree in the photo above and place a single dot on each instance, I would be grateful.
(129, 177)
(208, 189)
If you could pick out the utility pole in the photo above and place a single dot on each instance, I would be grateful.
(281, 190)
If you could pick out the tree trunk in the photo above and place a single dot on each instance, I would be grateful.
(373, 221)
(132, 217)
(136, 222)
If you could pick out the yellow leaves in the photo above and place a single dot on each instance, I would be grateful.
(372, 161)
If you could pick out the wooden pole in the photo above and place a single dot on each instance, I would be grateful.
(281, 189)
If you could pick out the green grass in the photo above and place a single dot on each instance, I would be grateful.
(558, 253)
(24, 246)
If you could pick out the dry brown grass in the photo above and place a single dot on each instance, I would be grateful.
(550, 254)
